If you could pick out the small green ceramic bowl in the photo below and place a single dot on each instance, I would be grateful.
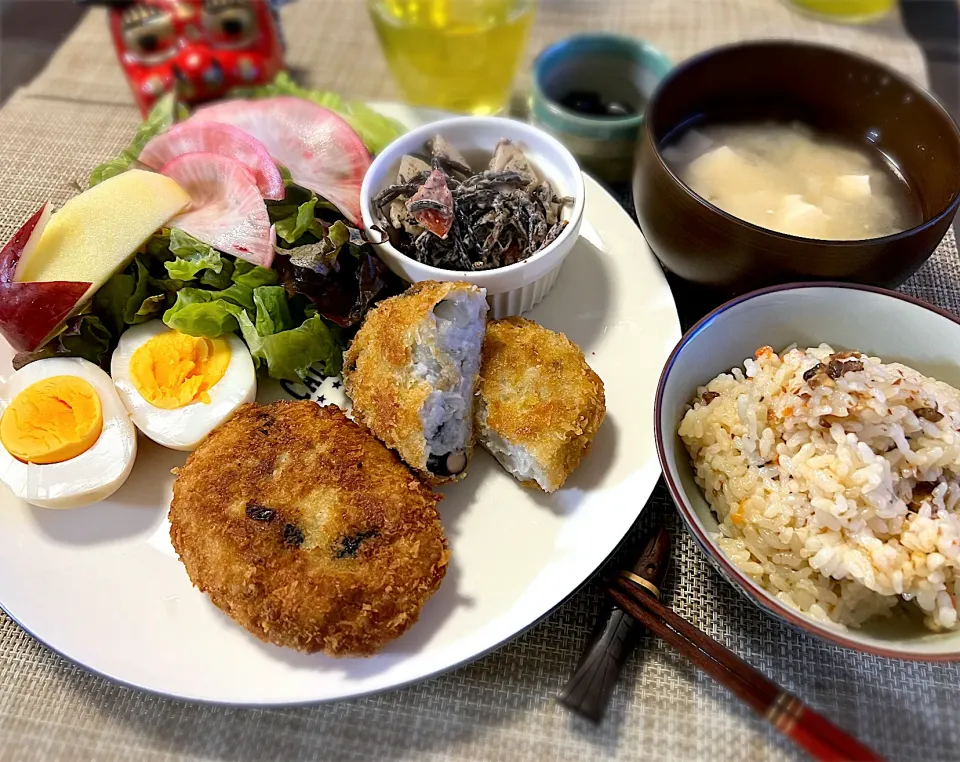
(615, 69)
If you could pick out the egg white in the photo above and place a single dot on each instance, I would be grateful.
(91, 476)
(185, 427)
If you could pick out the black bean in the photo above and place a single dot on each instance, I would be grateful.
(928, 414)
(260, 512)
(292, 535)
(851, 366)
(707, 397)
(448, 464)
(265, 421)
(351, 544)
(812, 371)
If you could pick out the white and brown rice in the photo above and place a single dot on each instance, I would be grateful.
(836, 481)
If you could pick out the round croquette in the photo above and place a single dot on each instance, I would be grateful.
(307, 531)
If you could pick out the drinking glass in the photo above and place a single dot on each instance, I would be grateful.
(849, 11)
(455, 55)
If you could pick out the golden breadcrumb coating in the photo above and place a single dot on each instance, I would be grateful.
(377, 373)
(539, 393)
(306, 530)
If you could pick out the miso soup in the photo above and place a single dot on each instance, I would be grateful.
(788, 178)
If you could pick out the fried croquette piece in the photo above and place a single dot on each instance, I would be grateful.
(411, 374)
(306, 530)
(540, 404)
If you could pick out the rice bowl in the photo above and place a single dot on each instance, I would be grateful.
(878, 322)
(834, 480)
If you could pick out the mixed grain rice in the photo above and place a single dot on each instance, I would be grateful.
(834, 477)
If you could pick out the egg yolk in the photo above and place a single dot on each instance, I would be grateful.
(53, 420)
(173, 370)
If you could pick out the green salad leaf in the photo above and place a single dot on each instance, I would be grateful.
(158, 247)
(127, 299)
(218, 280)
(165, 112)
(290, 354)
(86, 336)
(134, 311)
(294, 226)
(272, 310)
(252, 302)
(152, 307)
(251, 276)
(192, 257)
(111, 168)
(321, 256)
(110, 302)
(83, 336)
(200, 313)
(376, 130)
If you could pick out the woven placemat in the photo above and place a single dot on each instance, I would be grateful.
(502, 706)
(333, 45)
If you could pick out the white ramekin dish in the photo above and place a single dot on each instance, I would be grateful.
(513, 289)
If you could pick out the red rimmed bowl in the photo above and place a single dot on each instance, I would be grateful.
(882, 323)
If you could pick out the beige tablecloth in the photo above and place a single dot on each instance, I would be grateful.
(501, 707)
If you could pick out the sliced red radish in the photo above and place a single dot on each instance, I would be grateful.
(320, 150)
(31, 313)
(214, 137)
(19, 248)
(226, 209)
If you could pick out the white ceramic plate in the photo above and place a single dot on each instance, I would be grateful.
(102, 584)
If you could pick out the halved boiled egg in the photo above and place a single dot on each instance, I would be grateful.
(66, 438)
(179, 388)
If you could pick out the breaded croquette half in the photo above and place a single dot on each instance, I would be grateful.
(411, 374)
(540, 404)
(307, 531)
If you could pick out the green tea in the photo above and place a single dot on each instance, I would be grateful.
(854, 11)
(456, 55)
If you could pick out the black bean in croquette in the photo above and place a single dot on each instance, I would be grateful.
(307, 531)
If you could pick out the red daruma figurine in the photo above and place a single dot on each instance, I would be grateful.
(201, 48)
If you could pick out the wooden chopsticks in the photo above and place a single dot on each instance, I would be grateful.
(811, 731)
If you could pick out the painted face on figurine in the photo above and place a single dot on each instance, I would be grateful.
(202, 47)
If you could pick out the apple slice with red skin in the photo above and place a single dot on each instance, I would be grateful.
(32, 312)
(22, 243)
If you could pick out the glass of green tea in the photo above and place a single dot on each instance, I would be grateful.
(455, 55)
(845, 11)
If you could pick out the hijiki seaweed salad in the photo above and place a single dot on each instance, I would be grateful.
(443, 213)
(265, 243)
